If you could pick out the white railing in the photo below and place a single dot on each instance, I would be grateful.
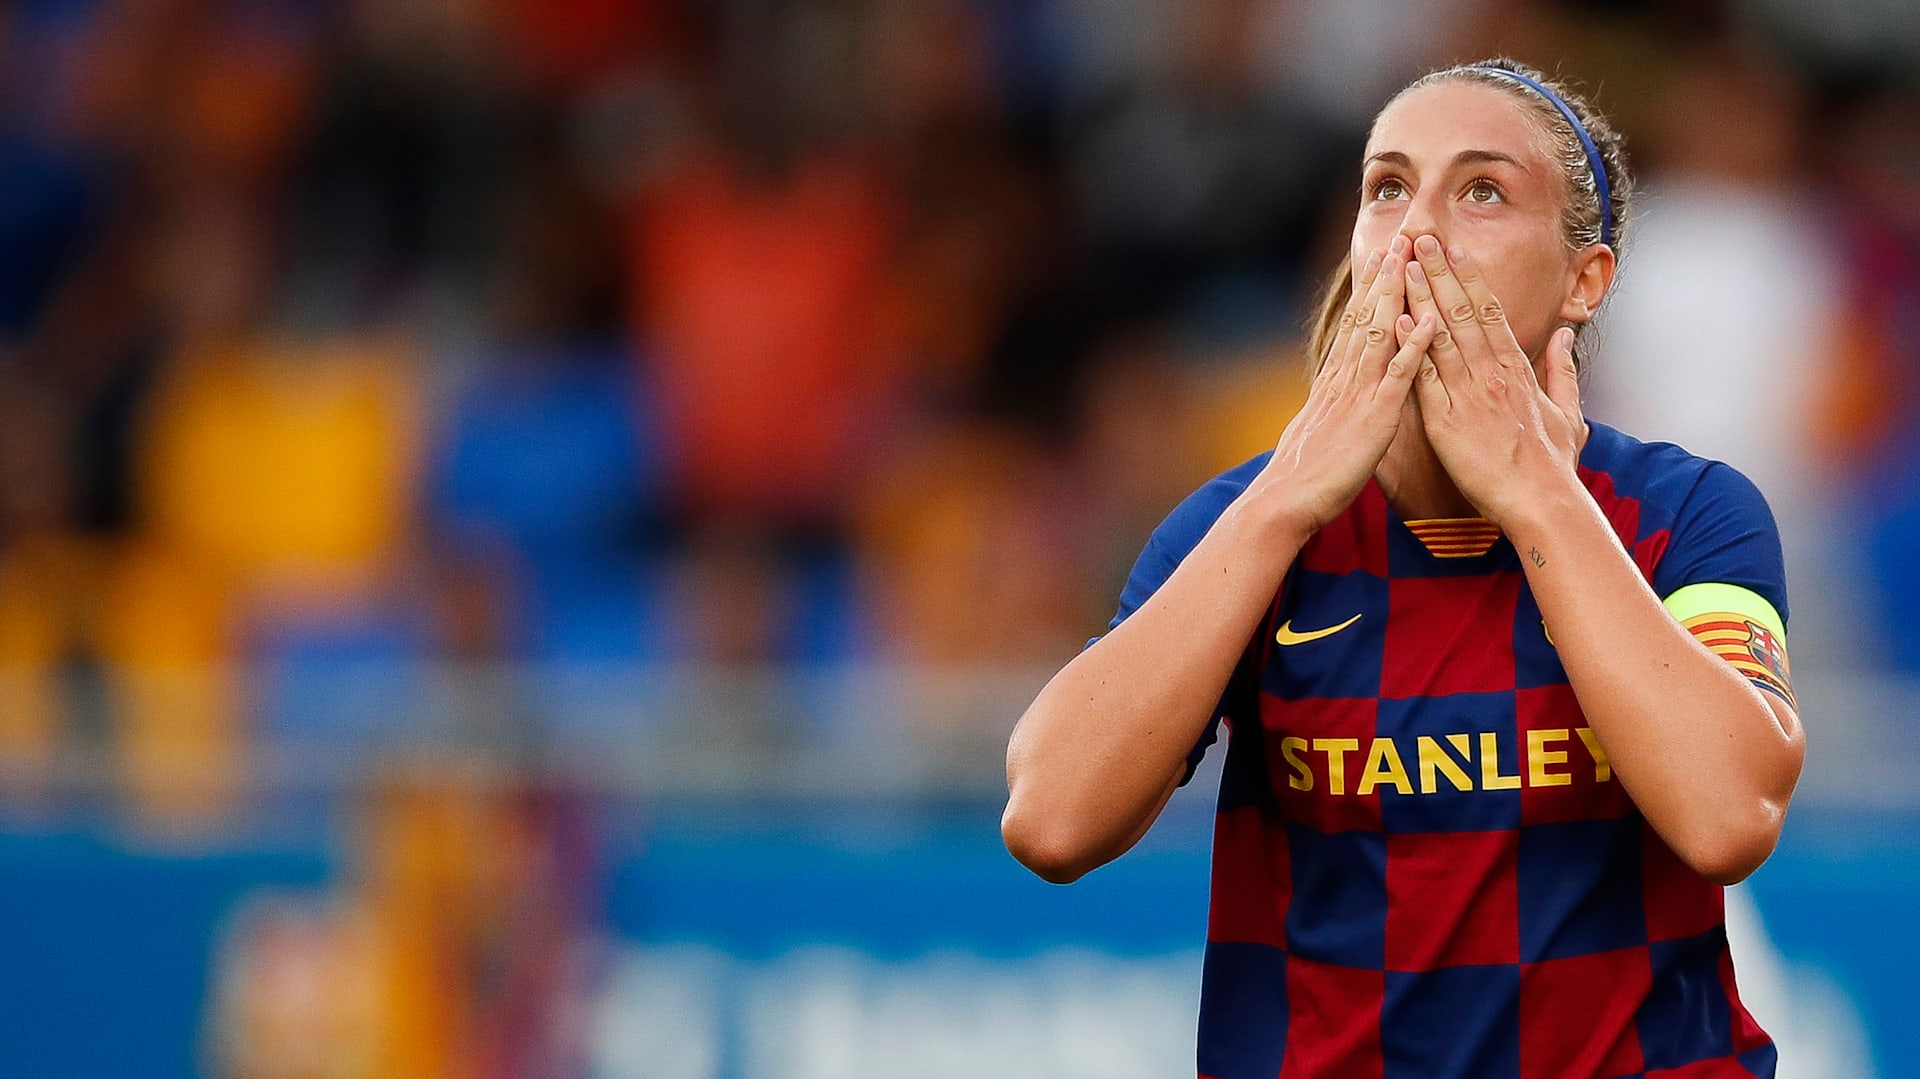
(845, 732)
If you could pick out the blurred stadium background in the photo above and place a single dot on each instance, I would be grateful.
(525, 524)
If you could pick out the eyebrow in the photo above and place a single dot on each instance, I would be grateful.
(1464, 157)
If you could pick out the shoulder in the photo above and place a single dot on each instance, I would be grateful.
(1181, 532)
(1188, 523)
(1687, 519)
(1663, 484)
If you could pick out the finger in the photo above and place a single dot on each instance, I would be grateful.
(1456, 309)
(1562, 382)
(1359, 295)
(1363, 328)
(1420, 302)
(1390, 295)
(1406, 363)
(1402, 328)
(1388, 306)
(1487, 309)
(1430, 390)
(1363, 280)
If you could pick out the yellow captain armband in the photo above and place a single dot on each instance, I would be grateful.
(1740, 626)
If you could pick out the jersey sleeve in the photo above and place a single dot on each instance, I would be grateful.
(1724, 578)
(1169, 545)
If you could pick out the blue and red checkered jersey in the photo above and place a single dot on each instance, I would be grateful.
(1423, 863)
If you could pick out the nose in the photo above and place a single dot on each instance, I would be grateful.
(1426, 213)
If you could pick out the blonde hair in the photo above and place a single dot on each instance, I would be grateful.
(1583, 220)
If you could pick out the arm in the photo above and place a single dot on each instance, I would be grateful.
(1710, 760)
(1100, 750)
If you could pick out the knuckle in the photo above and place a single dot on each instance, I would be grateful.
(1346, 320)
(1376, 334)
(1398, 367)
(1442, 339)
(1490, 312)
(1461, 312)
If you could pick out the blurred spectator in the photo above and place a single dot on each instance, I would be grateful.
(759, 287)
(1191, 171)
(412, 150)
(546, 476)
(453, 946)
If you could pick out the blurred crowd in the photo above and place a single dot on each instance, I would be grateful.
(352, 335)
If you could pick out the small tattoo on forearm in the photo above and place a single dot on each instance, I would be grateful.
(1538, 558)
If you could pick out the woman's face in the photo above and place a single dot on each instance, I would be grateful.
(1468, 164)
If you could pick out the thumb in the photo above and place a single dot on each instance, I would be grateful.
(1562, 383)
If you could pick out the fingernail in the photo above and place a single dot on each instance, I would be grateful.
(1416, 274)
(1427, 246)
(1399, 245)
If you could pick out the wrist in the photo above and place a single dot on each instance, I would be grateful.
(1554, 511)
(1265, 507)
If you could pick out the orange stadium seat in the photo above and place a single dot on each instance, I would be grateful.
(166, 639)
(45, 587)
(278, 475)
(286, 461)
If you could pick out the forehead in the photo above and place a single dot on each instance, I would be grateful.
(1437, 121)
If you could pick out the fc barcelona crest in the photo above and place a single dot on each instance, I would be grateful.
(1767, 651)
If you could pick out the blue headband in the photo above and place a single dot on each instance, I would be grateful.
(1594, 160)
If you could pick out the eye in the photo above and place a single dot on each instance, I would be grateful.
(1387, 188)
(1484, 192)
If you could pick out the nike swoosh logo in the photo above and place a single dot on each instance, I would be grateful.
(1285, 635)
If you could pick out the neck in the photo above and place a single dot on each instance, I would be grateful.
(1416, 484)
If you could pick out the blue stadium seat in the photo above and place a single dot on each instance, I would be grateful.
(550, 454)
(348, 680)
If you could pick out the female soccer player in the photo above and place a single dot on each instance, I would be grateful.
(1508, 689)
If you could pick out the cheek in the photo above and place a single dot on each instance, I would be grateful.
(1519, 257)
(1528, 283)
(1373, 230)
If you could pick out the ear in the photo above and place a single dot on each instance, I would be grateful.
(1592, 276)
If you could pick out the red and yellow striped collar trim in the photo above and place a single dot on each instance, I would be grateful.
(1456, 537)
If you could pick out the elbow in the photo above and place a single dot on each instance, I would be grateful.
(1738, 834)
(1054, 853)
(1735, 848)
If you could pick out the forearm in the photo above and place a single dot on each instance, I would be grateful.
(1707, 757)
(1094, 758)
